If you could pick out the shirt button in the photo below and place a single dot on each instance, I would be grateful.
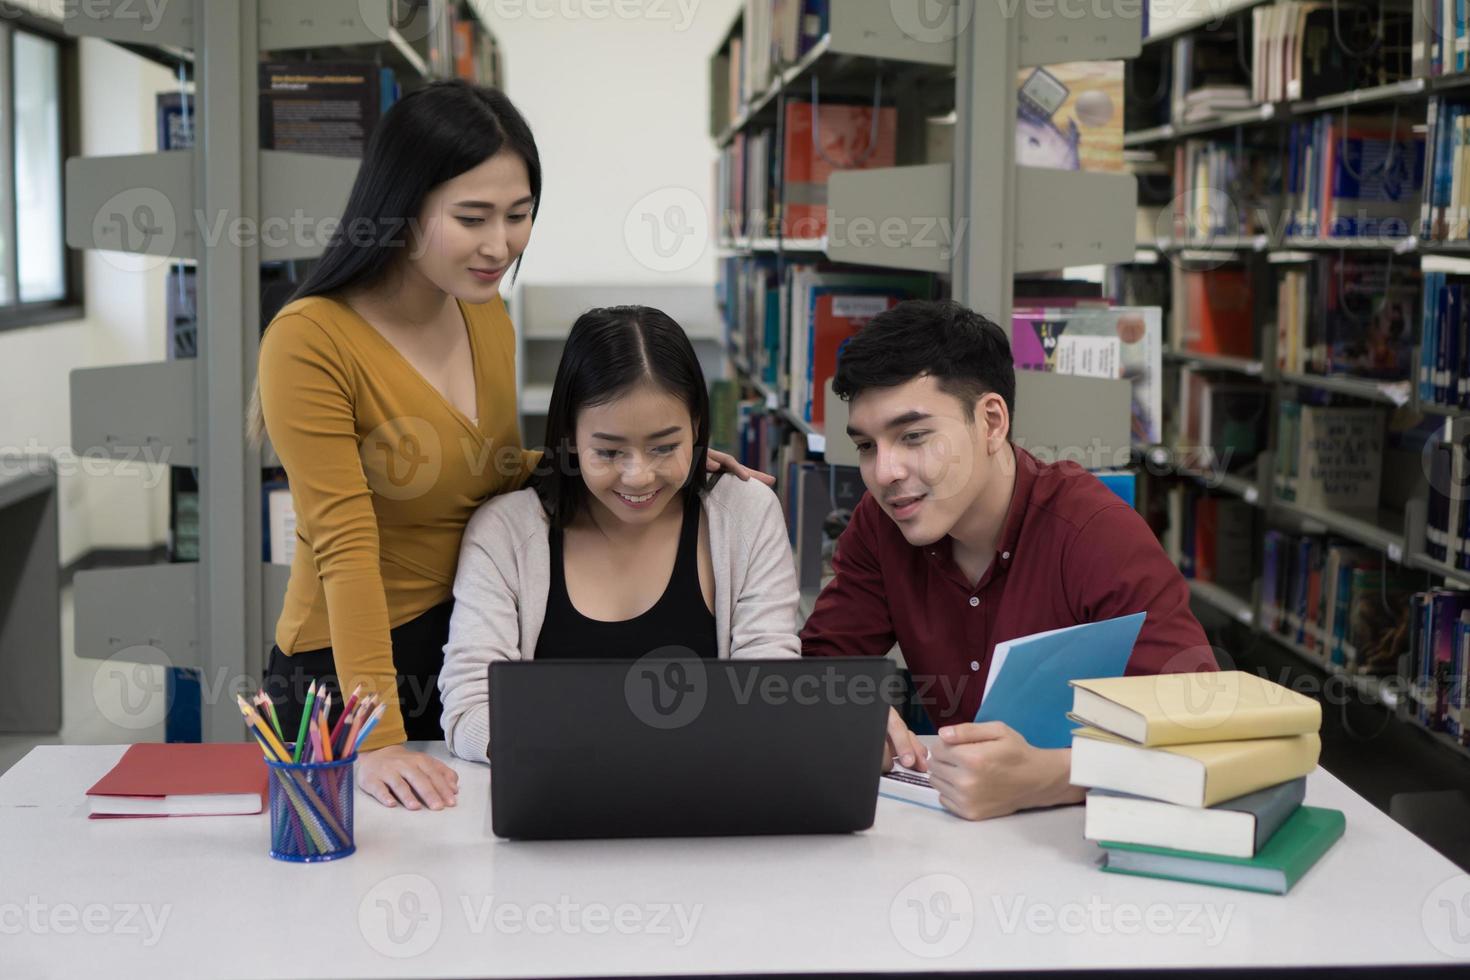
(1005, 554)
(974, 600)
(974, 665)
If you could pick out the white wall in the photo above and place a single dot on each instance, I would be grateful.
(121, 506)
(620, 109)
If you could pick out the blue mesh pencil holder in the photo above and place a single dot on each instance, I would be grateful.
(311, 810)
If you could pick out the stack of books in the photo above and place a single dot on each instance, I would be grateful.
(1201, 778)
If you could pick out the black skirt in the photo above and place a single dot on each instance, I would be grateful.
(418, 656)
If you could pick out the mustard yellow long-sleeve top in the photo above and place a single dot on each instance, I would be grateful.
(384, 475)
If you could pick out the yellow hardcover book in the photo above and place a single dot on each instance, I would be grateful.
(1200, 774)
(1177, 709)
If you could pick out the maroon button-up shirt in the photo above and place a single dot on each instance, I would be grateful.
(1071, 552)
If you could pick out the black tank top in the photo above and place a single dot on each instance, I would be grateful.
(679, 619)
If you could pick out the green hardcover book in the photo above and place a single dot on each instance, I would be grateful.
(1304, 838)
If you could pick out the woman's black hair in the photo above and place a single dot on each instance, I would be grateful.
(429, 136)
(609, 352)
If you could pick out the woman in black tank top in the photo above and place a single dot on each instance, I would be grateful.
(627, 428)
(678, 624)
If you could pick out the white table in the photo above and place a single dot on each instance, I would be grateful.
(434, 894)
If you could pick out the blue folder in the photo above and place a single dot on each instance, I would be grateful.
(1032, 693)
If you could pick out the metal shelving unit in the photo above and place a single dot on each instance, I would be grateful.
(215, 615)
(1017, 219)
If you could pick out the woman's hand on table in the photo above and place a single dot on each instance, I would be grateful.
(396, 775)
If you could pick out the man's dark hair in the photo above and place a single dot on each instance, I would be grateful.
(967, 354)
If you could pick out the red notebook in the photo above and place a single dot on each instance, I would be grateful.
(182, 779)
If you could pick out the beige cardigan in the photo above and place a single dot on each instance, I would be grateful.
(505, 573)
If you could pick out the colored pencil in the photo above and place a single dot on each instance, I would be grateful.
(322, 723)
(265, 701)
(305, 718)
(346, 710)
(367, 729)
(349, 746)
(254, 719)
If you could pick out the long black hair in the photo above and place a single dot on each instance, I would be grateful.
(610, 351)
(429, 136)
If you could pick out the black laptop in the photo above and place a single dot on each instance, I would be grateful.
(686, 747)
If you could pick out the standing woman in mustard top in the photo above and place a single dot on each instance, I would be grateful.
(387, 386)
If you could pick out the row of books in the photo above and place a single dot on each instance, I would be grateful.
(1223, 187)
(1447, 521)
(1307, 50)
(1439, 38)
(822, 308)
(1439, 656)
(787, 331)
(1201, 778)
(1068, 117)
(1357, 177)
(1347, 314)
(1222, 420)
(1206, 77)
(1214, 311)
(1211, 537)
(1330, 457)
(1444, 212)
(775, 34)
(1444, 351)
(1339, 601)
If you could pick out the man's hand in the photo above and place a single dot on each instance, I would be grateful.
(903, 745)
(987, 770)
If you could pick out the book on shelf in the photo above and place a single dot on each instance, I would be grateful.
(1215, 311)
(1438, 644)
(1224, 541)
(1099, 341)
(176, 112)
(1354, 178)
(1222, 421)
(182, 311)
(1231, 828)
(822, 307)
(280, 523)
(1207, 73)
(1224, 187)
(1070, 116)
(1439, 38)
(1210, 537)
(1348, 314)
(776, 34)
(1338, 601)
(1444, 349)
(325, 108)
(820, 140)
(1315, 49)
(1330, 457)
(1299, 844)
(1447, 521)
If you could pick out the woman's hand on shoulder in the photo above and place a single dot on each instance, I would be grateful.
(716, 461)
(396, 774)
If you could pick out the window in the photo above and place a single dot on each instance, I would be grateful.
(39, 277)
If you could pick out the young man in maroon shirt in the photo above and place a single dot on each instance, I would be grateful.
(964, 540)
